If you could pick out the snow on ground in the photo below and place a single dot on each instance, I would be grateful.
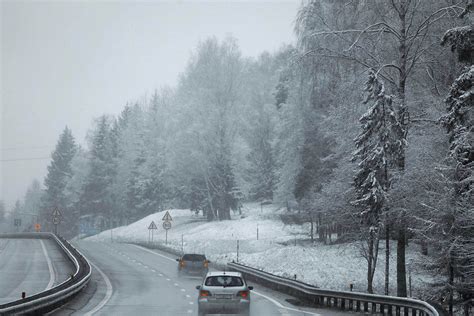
(280, 249)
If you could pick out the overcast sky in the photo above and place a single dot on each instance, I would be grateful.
(66, 63)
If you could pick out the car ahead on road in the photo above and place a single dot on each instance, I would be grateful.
(192, 263)
(224, 292)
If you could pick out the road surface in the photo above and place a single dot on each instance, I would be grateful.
(131, 280)
(31, 266)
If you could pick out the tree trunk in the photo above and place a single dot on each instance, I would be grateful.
(424, 247)
(402, 50)
(387, 258)
(401, 265)
(369, 266)
(451, 285)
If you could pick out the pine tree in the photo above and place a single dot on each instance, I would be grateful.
(59, 171)
(378, 147)
(2, 211)
(456, 243)
(96, 198)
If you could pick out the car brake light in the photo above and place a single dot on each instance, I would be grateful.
(181, 263)
(206, 263)
(204, 293)
(243, 294)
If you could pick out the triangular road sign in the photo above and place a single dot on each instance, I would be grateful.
(167, 217)
(56, 212)
(152, 225)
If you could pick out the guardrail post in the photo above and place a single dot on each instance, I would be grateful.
(343, 304)
(357, 306)
(397, 309)
(366, 306)
(413, 312)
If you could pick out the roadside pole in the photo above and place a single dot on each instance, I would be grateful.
(151, 228)
(167, 224)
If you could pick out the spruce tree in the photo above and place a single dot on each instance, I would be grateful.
(96, 198)
(59, 172)
(379, 145)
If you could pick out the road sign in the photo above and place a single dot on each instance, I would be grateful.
(56, 220)
(37, 227)
(167, 217)
(166, 225)
(152, 225)
(56, 213)
(17, 222)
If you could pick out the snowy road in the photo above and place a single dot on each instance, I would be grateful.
(130, 280)
(30, 265)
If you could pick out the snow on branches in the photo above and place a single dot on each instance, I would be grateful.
(379, 145)
(459, 123)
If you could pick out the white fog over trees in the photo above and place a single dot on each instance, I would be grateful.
(364, 128)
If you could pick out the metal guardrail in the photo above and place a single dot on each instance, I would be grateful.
(348, 301)
(51, 299)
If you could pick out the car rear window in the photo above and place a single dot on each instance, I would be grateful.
(224, 280)
(193, 257)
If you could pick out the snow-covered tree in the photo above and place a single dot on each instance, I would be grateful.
(32, 201)
(456, 244)
(378, 147)
(59, 173)
(96, 198)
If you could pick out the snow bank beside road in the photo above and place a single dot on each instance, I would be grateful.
(326, 266)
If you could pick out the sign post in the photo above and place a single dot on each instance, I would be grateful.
(17, 223)
(56, 219)
(151, 229)
(167, 224)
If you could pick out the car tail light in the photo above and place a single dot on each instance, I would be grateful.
(206, 263)
(181, 263)
(204, 293)
(244, 294)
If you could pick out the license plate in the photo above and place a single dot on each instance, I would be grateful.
(223, 296)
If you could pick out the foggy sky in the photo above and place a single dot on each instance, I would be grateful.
(65, 63)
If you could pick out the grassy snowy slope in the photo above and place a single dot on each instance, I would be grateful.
(326, 266)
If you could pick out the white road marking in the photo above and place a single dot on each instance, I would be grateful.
(108, 294)
(191, 303)
(161, 274)
(262, 295)
(153, 270)
(183, 290)
(52, 277)
(190, 311)
(283, 306)
(168, 279)
(187, 295)
(176, 284)
(152, 252)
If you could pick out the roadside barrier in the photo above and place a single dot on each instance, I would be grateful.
(53, 298)
(347, 301)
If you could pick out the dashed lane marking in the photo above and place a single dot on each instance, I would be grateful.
(152, 252)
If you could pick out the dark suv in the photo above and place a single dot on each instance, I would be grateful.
(192, 263)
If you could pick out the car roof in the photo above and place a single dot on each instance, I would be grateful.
(230, 273)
